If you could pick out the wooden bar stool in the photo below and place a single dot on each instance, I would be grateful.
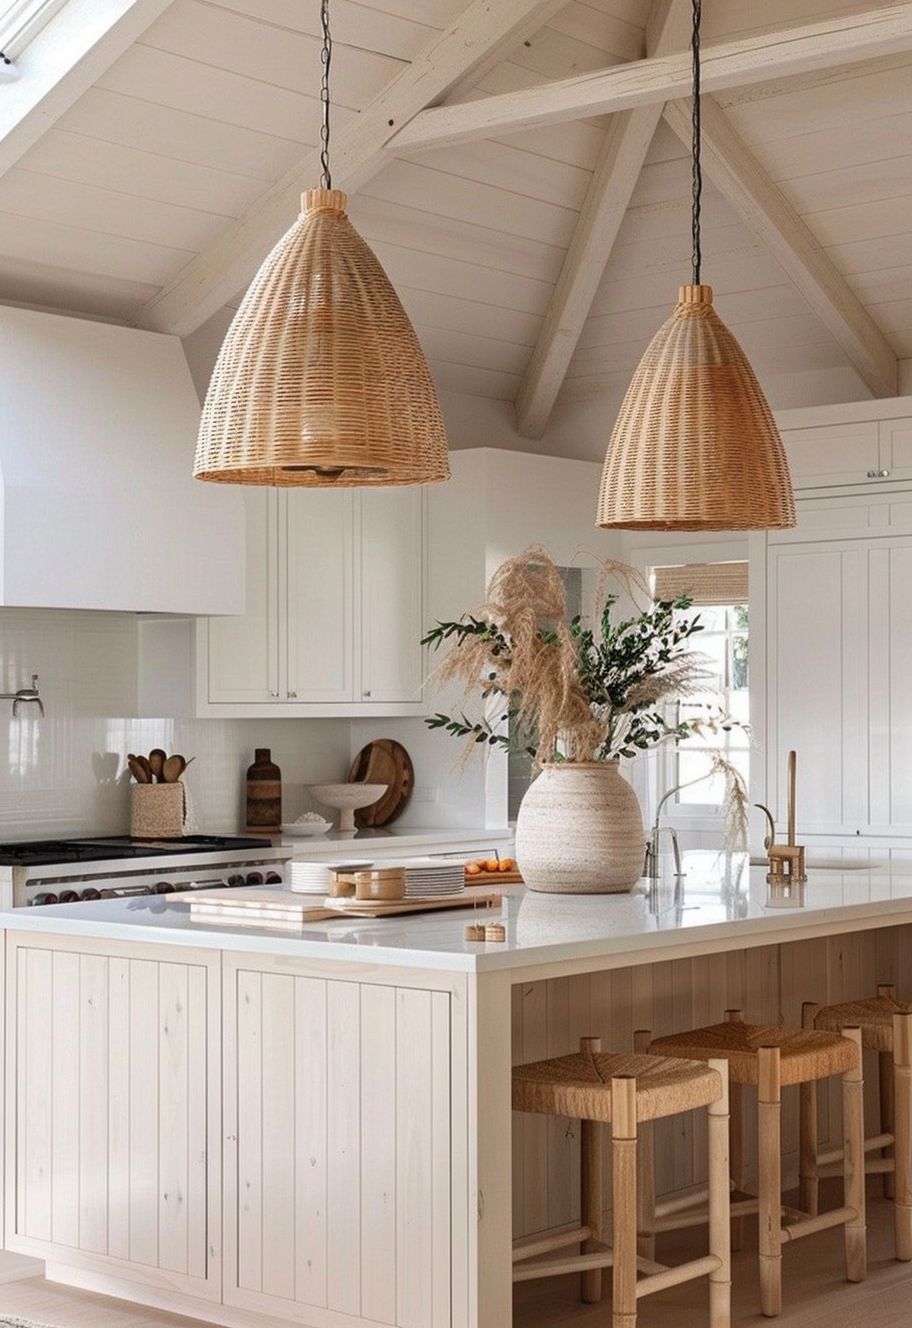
(770, 1057)
(622, 1091)
(886, 1027)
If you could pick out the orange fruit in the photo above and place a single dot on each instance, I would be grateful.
(472, 869)
(492, 865)
(506, 864)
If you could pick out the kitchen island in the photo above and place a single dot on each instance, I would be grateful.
(259, 1126)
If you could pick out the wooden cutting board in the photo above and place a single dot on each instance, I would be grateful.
(383, 761)
(491, 878)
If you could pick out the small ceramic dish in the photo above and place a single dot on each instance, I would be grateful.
(307, 827)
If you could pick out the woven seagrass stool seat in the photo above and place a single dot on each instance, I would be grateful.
(770, 1057)
(622, 1091)
(886, 1028)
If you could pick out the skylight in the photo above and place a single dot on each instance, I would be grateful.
(21, 21)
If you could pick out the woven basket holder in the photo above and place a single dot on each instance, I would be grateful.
(157, 811)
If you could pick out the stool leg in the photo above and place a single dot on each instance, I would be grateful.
(719, 1207)
(770, 1177)
(902, 1124)
(808, 1141)
(623, 1182)
(646, 1240)
(886, 991)
(736, 1141)
(591, 1205)
(591, 1189)
(854, 1164)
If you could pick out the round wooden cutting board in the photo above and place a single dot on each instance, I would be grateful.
(383, 761)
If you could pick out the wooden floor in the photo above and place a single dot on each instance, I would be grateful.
(814, 1291)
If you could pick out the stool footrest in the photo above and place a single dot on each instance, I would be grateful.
(603, 1257)
(683, 1272)
(806, 1226)
(527, 1247)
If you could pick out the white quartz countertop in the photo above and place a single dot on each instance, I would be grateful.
(710, 909)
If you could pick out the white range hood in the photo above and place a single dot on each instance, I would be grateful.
(98, 506)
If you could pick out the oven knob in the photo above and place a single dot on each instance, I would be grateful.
(254, 878)
(236, 880)
(162, 888)
(273, 878)
(69, 897)
(47, 897)
(91, 893)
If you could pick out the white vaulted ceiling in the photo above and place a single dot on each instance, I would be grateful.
(521, 168)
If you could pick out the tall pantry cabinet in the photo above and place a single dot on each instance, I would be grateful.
(832, 599)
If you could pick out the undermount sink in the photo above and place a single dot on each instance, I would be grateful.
(828, 864)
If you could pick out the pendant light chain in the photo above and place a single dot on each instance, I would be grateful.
(697, 172)
(325, 59)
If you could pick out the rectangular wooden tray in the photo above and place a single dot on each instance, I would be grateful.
(491, 878)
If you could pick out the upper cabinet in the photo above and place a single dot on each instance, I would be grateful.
(335, 588)
(866, 451)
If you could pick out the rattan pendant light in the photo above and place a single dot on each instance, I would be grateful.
(320, 380)
(695, 446)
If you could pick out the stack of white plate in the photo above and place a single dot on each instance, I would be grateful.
(425, 878)
(312, 878)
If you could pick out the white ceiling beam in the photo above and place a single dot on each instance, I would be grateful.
(842, 40)
(739, 177)
(483, 32)
(62, 62)
(607, 199)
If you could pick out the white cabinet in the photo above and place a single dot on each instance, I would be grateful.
(335, 589)
(863, 452)
(113, 1111)
(839, 642)
(340, 1122)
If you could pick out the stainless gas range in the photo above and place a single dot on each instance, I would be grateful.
(45, 872)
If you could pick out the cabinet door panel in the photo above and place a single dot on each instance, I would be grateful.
(343, 1096)
(392, 594)
(832, 454)
(890, 774)
(111, 1115)
(243, 650)
(320, 586)
(816, 674)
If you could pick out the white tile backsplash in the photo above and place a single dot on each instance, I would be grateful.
(66, 774)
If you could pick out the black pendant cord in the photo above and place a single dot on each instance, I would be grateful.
(325, 58)
(697, 171)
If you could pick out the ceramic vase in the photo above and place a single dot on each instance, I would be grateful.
(580, 830)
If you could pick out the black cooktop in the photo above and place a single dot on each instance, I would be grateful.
(43, 852)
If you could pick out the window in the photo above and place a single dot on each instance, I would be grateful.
(719, 591)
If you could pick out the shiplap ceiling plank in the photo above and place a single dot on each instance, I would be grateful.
(607, 199)
(771, 55)
(62, 62)
(486, 28)
(735, 172)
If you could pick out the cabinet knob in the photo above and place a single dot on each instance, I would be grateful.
(365, 693)
(878, 474)
(274, 695)
(291, 696)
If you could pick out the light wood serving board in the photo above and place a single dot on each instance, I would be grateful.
(491, 878)
(258, 904)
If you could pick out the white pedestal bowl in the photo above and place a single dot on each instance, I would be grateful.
(346, 799)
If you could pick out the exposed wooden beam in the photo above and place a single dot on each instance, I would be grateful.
(62, 62)
(739, 177)
(845, 39)
(607, 199)
(484, 31)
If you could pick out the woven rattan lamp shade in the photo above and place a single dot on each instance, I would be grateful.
(695, 446)
(321, 380)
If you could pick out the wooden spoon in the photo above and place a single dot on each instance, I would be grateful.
(139, 769)
(157, 759)
(173, 768)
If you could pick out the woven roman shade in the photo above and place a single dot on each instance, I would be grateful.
(695, 446)
(321, 380)
(703, 583)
